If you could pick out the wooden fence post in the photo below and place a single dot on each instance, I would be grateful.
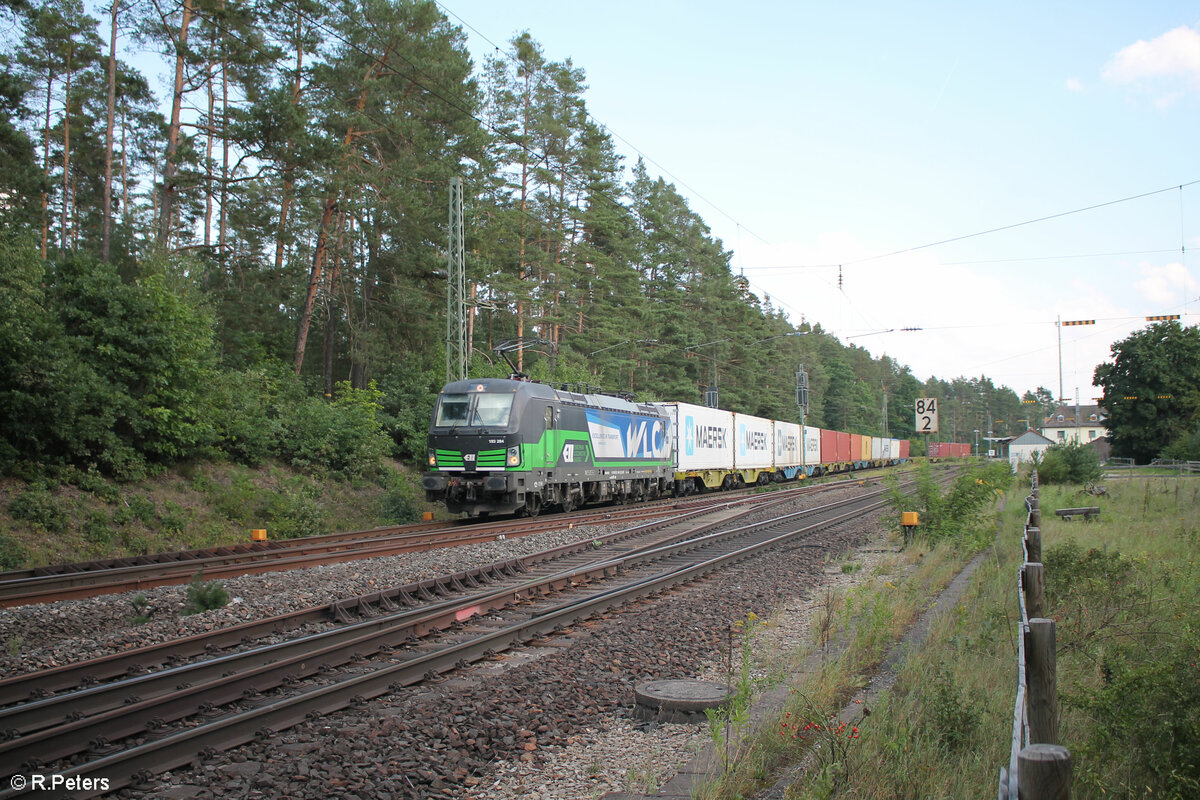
(1033, 544)
(1034, 581)
(1042, 696)
(1044, 773)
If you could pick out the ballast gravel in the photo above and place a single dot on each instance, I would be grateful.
(554, 720)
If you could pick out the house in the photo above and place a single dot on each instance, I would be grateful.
(1075, 423)
(1025, 446)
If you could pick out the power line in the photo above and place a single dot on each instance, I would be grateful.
(1179, 187)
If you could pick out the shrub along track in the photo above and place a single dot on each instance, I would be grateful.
(258, 671)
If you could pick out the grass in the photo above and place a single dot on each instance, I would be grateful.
(84, 516)
(1122, 590)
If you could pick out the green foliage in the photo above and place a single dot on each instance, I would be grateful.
(39, 507)
(951, 515)
(96, 528)
(294, 510)
(344, 436)
(1144, 722)
(142, 610)
(1152, 389)
(1146, 716)
(12, 555)
(402, 500)
(1186, 447)
(249, 409)
(204, 595)
(952, 715)
(1069, 462)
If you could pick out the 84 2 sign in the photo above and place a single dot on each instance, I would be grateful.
(927, 413)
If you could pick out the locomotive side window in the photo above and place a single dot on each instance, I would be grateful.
(549, 418)
(474, 410)
(453, 410)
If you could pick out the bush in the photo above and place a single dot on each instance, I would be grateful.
(295, 510)
(37, 506)
(1069, 462)
(249, 411)
(953, 514)
(344, 436)
(1185, 448)
(1146, 715)
(204, 596)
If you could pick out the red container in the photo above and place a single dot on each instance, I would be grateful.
(856, 448)
(904, 445)
(828, 447)
(843, 448)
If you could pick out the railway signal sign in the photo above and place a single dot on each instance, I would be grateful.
(927, 415)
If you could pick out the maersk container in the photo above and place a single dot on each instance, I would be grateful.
(789, 448)
(812, 448)
(703, 437)
(876, 448)
(753, 448)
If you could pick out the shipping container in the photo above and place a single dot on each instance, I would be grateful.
(905, 446)
(829, 450)
(843, 448)
(789, 447)
(877, 449)
(812, 448)
(753, 448)
(703, 437)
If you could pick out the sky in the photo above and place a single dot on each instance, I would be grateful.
(848, 154)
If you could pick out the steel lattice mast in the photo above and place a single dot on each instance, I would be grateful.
(457, 354)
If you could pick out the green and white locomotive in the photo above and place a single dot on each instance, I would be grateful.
(504, 446)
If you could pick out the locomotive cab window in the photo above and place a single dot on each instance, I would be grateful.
(473, 410)
(549, 418)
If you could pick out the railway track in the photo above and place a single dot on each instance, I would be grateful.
(535, 597)
(111, 576)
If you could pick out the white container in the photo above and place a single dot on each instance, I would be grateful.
(754, 448)
(789, 446)
(876, 448)
(703, 437)
(812, 446)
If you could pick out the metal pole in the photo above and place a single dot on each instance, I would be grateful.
(1060, 382)
(457, 354)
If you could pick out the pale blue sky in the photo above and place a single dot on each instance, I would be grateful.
(829, 133)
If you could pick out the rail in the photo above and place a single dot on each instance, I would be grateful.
(1039, 768)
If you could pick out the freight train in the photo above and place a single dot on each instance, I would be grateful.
(500, 446)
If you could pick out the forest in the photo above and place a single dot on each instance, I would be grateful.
(249, 262)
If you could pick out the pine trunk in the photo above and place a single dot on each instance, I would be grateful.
(106, 218)
(170, 168)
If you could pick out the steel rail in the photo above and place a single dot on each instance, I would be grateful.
(182, 747)
(69, 582)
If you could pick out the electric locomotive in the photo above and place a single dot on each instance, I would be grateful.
(504, 446)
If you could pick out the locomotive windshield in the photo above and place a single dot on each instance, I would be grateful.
(473, 410)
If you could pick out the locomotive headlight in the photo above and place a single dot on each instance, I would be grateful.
(514, 456)
(432, 459)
